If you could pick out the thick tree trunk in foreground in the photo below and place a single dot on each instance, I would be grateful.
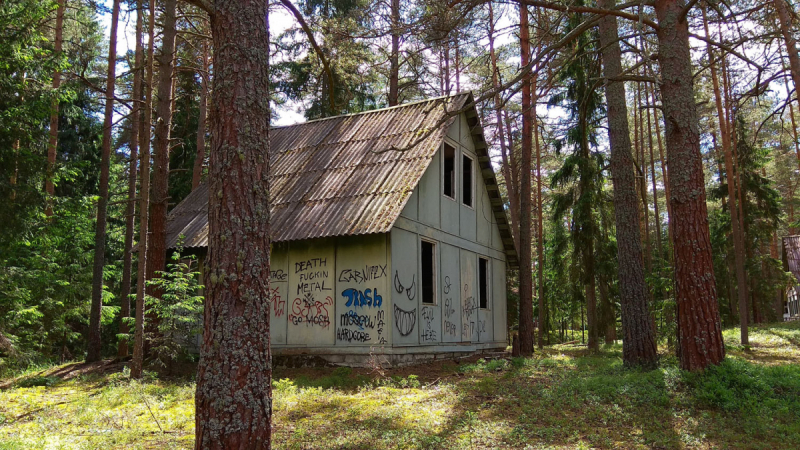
(638, 342)
(197, 172)
(394, 59)
(144, 199)
(159, 203)
(736, 224)
(130, 210)
(52, 145)
(699, 327)
(93, 351)
(525, 274)
(234, 394)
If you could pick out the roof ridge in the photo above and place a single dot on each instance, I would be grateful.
(388, 108)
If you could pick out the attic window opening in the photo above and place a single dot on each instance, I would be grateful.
(428, 272)
(483, 280)
(449, 176)
(466, 177)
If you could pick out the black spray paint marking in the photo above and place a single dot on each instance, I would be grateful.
(313, 263)
(404, 320)
(353, 319)
(447, 285)
(368, 273)
(278, 275)
(343, 334)
(428, 333)
(449, 311)
(411, 291)
(310, 311)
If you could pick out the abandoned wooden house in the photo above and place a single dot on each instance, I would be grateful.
(791, 263)
(389, 236)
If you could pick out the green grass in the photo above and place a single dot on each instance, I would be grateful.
(559, 398)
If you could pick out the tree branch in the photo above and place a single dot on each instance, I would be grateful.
(292, 9)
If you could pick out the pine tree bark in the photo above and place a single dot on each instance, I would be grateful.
(234, 396)
(785, 22)
(95, 344)
(200, 157)
(525, 258)
(137, 363)
(394, 59)
(638, 342)
(130, 210)
(736, 224)
(543, 323)
(699, 327)
(159, 202)
(52, 144)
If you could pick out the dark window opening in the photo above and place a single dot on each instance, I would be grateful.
(449, 171)
(483, 280)
(428, 273)
(466, 179)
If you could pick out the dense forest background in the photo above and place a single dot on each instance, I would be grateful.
(91, 137)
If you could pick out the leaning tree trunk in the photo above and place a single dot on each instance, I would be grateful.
(525, 274)
(95, 345)
(130, 210)
(638, 343)
(234, 395)
(52, 144)
(699, 328)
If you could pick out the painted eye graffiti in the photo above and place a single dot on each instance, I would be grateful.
(411, 291)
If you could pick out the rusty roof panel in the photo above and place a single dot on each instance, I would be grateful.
(341, 175)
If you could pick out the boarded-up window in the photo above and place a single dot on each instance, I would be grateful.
(466, 179)
(483, 280)
(428, 272)
(449, 175)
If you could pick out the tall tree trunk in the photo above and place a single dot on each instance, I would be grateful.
(159, 203)
(394, 59)
(543, 323)
(234, 393)
(144, 197)
(699, 327)
(95, 345)
(736, 224)
(785, 21)
(642, 168)
(525, 274)
(638, 343)
(657, 216)
(505, 150)
(197, 172)
(130, 210)
(52, 144)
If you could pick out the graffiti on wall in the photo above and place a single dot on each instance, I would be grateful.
(411, 290)
(311, 312)
(364, 320)
(404, 320)
(312, 275)
(368, 273)
(449, 313)
(278, 303)
(469, 312)
(428, 332)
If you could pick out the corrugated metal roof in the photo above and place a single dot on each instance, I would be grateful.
(338, 176)
(791, 248)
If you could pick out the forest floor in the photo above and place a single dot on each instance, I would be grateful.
(559, 398)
